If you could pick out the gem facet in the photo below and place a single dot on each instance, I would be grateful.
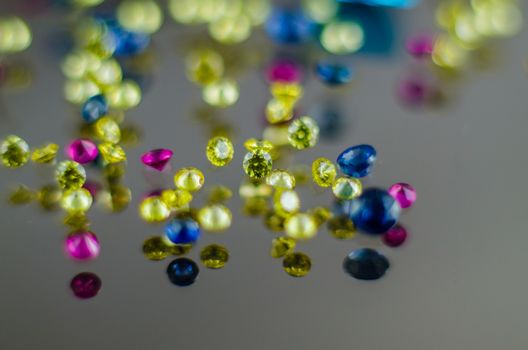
(279, 110)
(357, 161)
(153, 209)
(257, 165)
(107, 130)
(85, 285)
(82, 245)
(366, 264)
(323, 172)
(341, 227)
(176, 199)
(214, 256)
(281, 246)
(157, 158)
(286, 202)
(112, 153)
(94, 108)
(155, 248)
(189, 179)
(182, 272)
(76, 201)
(222, 93)
(375, 211)
(303, 133)
(45, 154)
(82, 151)
(301, 226)
(215, 217)
(14, 151)
(204, 66)
(333, 74)
(219, 151)
(404, 194)
(395, 236)
(281, 179)
(70, 175)
(347, 188)
(182, 231)
(297, 264)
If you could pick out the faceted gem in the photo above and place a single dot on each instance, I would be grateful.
(155, 248)
(257, 165)
(94, 108)
(85, 285)
(219, 194)
(75, 201)
(366, 264)
(303, 133)
(323, 172)
(395, 236)
(254, 145)
(77, 221)
(222, 93)
(140, 16)
(124, 95)
(182, 272)
(189, 179)
(153, 209)
(107, 130)
(82, 151)
(375, 211)
(286, 202)
(182, 231)
(70, 175)
(404, 194)
(281, 246)
(157, 158)
(219, 151)
(321, 215)
(274, 221)
(14, 151)
(341, 227)
(287, 92)
(283, 71)
(250, 189)
(204, 66)
(281, 179)
(347, 188)
(112, 153)
(357, 161)
(301, 226)
(342, 37)
(286, 26)
(82, 245)
(230, 29)
(279, 110)
(49, 196)
(116, 198)
(215, 217)
(178, 249)
(333, 74)
(175, 199)
(45, 154)
(420, 45)
(22, 195)
(297, 264)
(214, 256)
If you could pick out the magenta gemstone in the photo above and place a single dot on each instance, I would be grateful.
(82, 245)
(413, 91)
(283, 71)
(85, 285)
(157, 158)
(82, 151)
(420, 45)
(403, 193)
(395, 236)
(92, 187)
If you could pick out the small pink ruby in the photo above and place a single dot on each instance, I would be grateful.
(82, 245)
(395, 236)
(404, 194)
(413, 91)
(420, 45)
(157, 158)
(85, 285)
(82, 151)
(284, 71)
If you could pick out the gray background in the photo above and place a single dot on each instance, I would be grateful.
(460, 282)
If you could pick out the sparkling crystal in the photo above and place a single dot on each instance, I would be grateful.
(281, 246)
(254, 145)
(404, 194)
(204, 66)
(283, 71)
(297, 264)
(291, 92)
(78, 200)
(215, 217)
(214, 256)
(286, 202)
(219, 151)
(281, 179)
(85, 285)
(155, 248)
(182, 231)
(182, 272)
(341, 227)
(333, 74)
(357, 161)
(94, 108)
(301, 226)
(366, 264)
(347, 188)
(279, 110)
(303, 133)
(45, 154)
(321, 215)
(14, 151)
(82, 151)
(375, 211)
(257, 165)
(323, 172)
(153, 209)
(189, 179)
(219, 194)
(112, 153)
(274, 221)
(70, 175)
(175, 199)
(82, 245)
(107, 130)
(157, 158)
(222, 93)
(395, 236)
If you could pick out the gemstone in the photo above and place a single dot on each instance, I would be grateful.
(140, 16)
(257, 165)
(250, 189)
(214, 217)
(321, 215)
(155, 248)
(291, 92)
(366, 264)
(157, 158)
(333, 74)
(182, 272)
(284, 71)
(108, 73)
(347, 188)
(82, 151)
(286, 202)
(342, 37)
(82, 245)
(281, 246)
(274, 221)
(214, 256)
(420, 45)
(222, 93)
(301, 226)
(124, 95)
(281, 179)
(341, 227)
(112, 153)
(94, 108)
(395, 236)
(49, 196)
(22, 195)
(297, 264)
(76, 201)
(176, 199)
(178, 249)
(219, 151)
(189, 179)
(279, 110)
(286, 26)
(230, 29)
(303, 133)
(404, 194)
(182, 231)
(85, 285)
(254, 145)
(153, 209)
(413, 91)
(116, 198)
(375, 211)
(323, 172)
(77, 221)
(70, 175)
(107, 130)
(357, 161)
(14, 151)
(219, 194)
(45, 154)
(204, 66)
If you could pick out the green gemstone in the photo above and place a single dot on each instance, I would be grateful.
(14, 151)
(281, 246)
(214, 256)
(297, 264)
(257, 165)
(303, 133)
(155, 248)
(70, 175)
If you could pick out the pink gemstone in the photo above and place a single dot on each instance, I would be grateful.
(283, 71)
(413, 91)
(92, 187)
(157, 158)
(85, 285)
(420, 45)
(82, 151)
(404, 194)
(395, 236)
(82, 245)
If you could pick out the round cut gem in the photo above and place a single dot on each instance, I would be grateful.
(301, 226)
(254, 145)
(157, 158)
(283, 71)
(366, 264)
(257, 165)
(214, 256)
(281, 179)
(82, 151)
(182, 272)
(153, 209)
(323, 172)
(94, 108)
(333, 74)
(214, 217)
(70, 175)
(297, 264)
(404, 194)
(112, 153)
(281, 246)
(82, 245)
(107, 130)
(175, 199)
(76, 201)
(45, 154)
(85, 285)
(189, 179)
(303, 133)
(395, 236)
(375, 211)
(155, 248)
(182, 231)
(286, 202)
(204, 66)
(222, 93)
(219, 151)
(347, 188)
(341, 227)
(357, 161)
(279, 110)
(14, 151)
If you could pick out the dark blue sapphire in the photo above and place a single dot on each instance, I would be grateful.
(333, 74)
(366, 264)
(357, 161)
(287, 26)
(375, 211)
(182, 272)
(182, 231)
(94, 108)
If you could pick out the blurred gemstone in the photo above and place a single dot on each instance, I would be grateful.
(286, 26)
(404, 194)
(395, 236)
(357, 161)
(155, 248)
(420, 45)
(281, 246)
(85, 285)
(112, 153)
(82, 151)
(375, 211)
(189, 179)
(365, 264)
(153, 209)
(413, 91)
(82, 245)
(214, 217)
(182, 272)
(14, 151)
(45, 154)
(301, 226)
(214, 256)
(284, 71)
(341, 227)
(182, 231)
(333, 74)
(94, 108)
(157, 158)
(297, 264)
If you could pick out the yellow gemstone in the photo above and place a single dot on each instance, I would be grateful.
(103, 48)
(124, 96)
(321, 215)
(254, 145)
(116, 198)
(77, 91)
(22, 195)
(448, 54)
(341, 227)
(297, 264)
(301, 173)
(214, 217)
(108, 72)
(288, 92)
(70, 175)
(175, 199)
(324, 172)
(219, 151)
(222, 93)
(279, 110)
(78, 63)
(76, 220)
(76, 201)
(153, 209)
(204, 67)
(281, 179)
(107, 130)
(189, 179)
(15, 35)
(281, 246)
(301, 226)
(219, 194)
(303, 133)
(88, 30)
(342, 37)
(286, 202)
(14, 151)
(112, 153)
(321, 11)
(178, 249)
(276, 134)
(114, 172)
(140, 16)
(45, 154)
(257, 165)
(155, 248)
(230, 29)
(49, 196)
(249, 189)
(347, 188)
(274, 221)
(257, 11)
(255, 206)
(214, 256)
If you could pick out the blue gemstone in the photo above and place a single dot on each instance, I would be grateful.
(182, 231)
(182, 272)
(286, 26)
(366, 264)
(94, 108)
(375, 211)
(388, 3)
(333, 74)
(357, 161)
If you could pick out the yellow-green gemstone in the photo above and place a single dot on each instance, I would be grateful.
(222, 93)
(301, 173)
(230, 29)
(204, 66)
(297, 264)
(279, 110)
(76, 201)
(76, 64)
(153, 209)
(290, 92)
(107, 73)
(342, 37)
(286, 202)
(76, 220)
(249, 189)
(257, 165)
(281, 179)
(303, 133)
(214, 256)
(45, 154)
(215, 217)
(113, 172)
(140, 16)
(219, 194)
(15, 35)
(347, 188)
(49, 196)
(341, 227)
(324, 172)
(220, 151)
(112, 153)
(301, 226)
(274, 221)
(281, 246)
(70, 175)
(189, 179)
(14, 151)
(254, 145)
(179, 249)
(255, 206)
(22, 195)
(155, 248)
(176, 198)
(116, 198)
(124, 95)
(107, 130)
(321, 215)
(277, 135)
